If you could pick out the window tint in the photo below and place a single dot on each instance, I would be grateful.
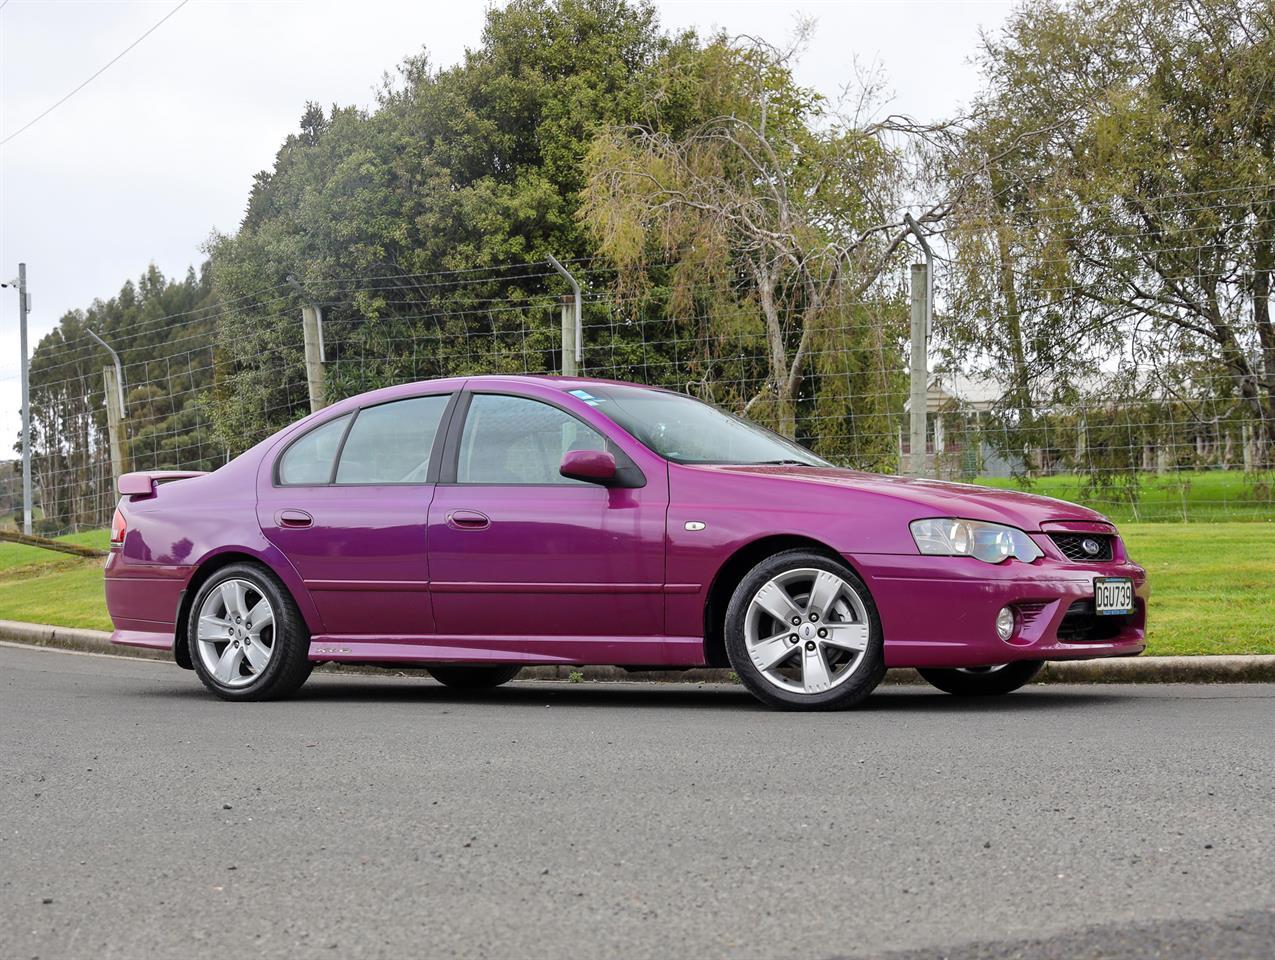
(391, 442)
(685, 430)
(516, 440)
(309, 460)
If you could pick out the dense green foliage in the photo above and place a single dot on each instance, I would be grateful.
(473, 166)
(1122, 208)
(1106, 246)
(152, 324)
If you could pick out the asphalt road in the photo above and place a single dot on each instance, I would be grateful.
(385, 817)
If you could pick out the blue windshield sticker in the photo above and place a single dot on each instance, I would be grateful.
(586, 396)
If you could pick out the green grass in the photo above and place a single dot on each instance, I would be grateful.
(1201, 495)
(16, 555)
(1212, 585)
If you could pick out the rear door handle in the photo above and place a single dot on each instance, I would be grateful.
(468, 520)
(293, 518)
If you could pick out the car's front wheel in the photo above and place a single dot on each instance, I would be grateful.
(473, 678)
(247, 639)
(983, 681)
(802, 633)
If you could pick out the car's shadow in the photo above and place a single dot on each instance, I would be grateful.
(888, 698)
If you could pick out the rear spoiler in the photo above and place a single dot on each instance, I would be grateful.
(143, 484)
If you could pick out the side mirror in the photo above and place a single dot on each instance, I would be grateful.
(591, 466)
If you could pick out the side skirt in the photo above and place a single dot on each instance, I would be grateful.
(618, 651)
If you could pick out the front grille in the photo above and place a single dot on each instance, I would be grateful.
(1073, 546)
(1080, 624)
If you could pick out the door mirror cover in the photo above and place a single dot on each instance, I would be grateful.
(591, 466)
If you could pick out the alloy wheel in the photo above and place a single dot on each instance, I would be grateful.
(806, 630)
(236, 632)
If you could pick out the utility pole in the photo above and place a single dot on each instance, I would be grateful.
(312, 330)
(572, 341)
(919, 374)
(568, 337)
(114, 422)
(116, 409)
(24, 305)
(922, 279)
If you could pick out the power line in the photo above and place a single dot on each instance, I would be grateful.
(101, 71)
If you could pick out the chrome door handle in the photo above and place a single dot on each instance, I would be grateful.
(468, 520)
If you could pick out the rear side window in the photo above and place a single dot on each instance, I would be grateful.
(514, 440)
(309, 460)
(391, 442)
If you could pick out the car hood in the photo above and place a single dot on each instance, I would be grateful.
(933, 498)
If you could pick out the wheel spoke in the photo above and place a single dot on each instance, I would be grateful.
(260, 616)
(823, 593)
(771, 652)
(257, 654)
(234, 597)
(228, 664)
(774, 599)
(213, 628)
(814, 670)
(847, 636)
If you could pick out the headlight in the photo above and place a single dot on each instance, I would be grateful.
(989, 542)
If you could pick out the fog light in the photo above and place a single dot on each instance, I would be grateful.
(1005, 623)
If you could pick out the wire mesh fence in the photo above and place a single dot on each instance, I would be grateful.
(1139, 435)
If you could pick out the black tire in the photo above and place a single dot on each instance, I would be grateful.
(473, 677)
(861, 681)
(289, 665)
(983, 682)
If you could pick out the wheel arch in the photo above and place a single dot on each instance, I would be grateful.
(733, 570)
(217, 561)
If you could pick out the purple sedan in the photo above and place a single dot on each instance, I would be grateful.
(473, 526)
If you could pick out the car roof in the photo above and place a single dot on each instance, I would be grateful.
(399, 390)
(557, 381)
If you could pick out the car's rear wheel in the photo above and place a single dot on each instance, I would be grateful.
(473, 678)
(987, 681)
(247, 639)
(802, 633)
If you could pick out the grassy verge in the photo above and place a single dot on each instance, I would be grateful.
(1213, 586)
(1200, 495)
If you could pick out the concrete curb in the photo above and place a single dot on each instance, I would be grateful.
(1213, 669)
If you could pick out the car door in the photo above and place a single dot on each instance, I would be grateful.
(347, 502)
(524, 559)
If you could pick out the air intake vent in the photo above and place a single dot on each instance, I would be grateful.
(1029, 610)
(1082, 625)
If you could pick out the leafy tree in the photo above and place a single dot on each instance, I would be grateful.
(773, 203)
(1125, 155)
(474, 166)
(152, 324)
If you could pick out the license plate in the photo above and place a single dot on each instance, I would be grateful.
(1112, 596)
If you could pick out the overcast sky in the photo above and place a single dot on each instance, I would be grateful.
(160, 150)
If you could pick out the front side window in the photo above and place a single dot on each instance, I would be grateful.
(513, 440)
(684, 430)
(391, 442)
(309, 460)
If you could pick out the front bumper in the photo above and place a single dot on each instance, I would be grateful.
(941, 611)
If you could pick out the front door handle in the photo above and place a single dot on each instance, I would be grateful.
(293, 518)
(468, 520)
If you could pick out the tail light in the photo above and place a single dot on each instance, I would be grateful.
(119, 527)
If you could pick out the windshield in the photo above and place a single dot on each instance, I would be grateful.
(685, 430)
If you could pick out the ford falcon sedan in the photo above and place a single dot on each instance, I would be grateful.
(477, 525)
